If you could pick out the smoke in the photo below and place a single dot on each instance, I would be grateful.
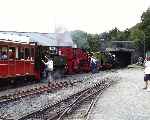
(63, 37)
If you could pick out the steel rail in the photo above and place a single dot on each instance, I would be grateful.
(74, 99)
(38, 90)
(99, 92)
(49, 106)
(93, 102)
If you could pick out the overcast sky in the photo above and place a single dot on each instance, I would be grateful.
(94, 16)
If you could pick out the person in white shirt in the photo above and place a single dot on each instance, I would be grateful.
(93, 65)
(48, 67)
(146, 73)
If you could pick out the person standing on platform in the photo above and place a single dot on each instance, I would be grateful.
(147, 74)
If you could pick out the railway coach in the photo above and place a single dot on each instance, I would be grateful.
(19, 58)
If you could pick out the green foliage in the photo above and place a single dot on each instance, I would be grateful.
(138, 37)
(94, 42)
(116, 35)
(80, 38)
(86, 41)
(145, 27)
(100, 57)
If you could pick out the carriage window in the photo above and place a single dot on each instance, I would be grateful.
(0, 53)
(27, 53)
(21, 53)
(32, 53)
(3, 53)
(12, 53)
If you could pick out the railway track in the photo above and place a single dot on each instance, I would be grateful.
(34, 91)
(60, 109)
(84, 110)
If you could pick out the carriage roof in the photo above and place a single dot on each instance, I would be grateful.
(43, 39)
(26, 38)
(12, 38)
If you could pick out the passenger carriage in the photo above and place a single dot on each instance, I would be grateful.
(17, 58)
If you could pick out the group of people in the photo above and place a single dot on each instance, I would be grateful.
(49, 67)
(140, 61)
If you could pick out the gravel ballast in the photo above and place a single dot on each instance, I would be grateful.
(15, 110)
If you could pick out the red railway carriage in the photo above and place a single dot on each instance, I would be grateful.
(17, 60)
(77, 59)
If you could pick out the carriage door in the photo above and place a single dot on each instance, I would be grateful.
(20, 62)
(12, 63)
(32, 53)
(3, 61)
(27, 61)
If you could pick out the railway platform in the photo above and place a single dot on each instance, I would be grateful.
(125, 100)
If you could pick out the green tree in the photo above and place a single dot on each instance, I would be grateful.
(145, 27)
(137, 36)
(80, 38)
(126, 35)
(94, 42)
(114, 34)
(117, 35)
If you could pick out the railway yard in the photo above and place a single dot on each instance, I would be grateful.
(74, 60)
(107, 95)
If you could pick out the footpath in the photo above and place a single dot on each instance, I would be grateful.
(124, 100)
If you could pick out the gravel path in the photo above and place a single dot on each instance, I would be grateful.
(125, 100)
